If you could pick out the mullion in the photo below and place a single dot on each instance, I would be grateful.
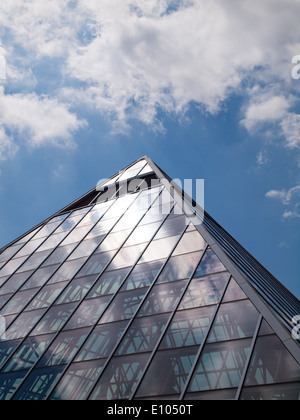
(168, 324)
(138, 309)
(115, 294)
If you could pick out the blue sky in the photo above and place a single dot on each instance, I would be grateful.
(207, 89)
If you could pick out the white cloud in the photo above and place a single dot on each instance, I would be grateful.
(7, 146)
(288, 198)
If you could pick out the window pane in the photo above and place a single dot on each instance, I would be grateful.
(52, 241)
(188, 328)
(54, 319)
(221, 366)
(64, 348)
(123, 306)
(28, 353)
(233, 292)
(9, 252)
(9, 382)
(282, 392)
(120, 377)
(173, 226)
(102, 228)
(86, 248)
(17, 303)
(109, 283)
(77, 290)
(102, 341)
(168, 372)
(143, 275)
(143, 334)
(34, 261)
(30, 247)
(179, 268)
(234, 320)
(88, 313)
(190, 242)
(67, 271)
(78, 381)
(12, 266)
(14, 283)
(205, 291)
(142, 234)
(6, 350)
(163, 298)
(127, 257)
(46, 296)
(59, 255)
(209, 264)
(39, 384)
(159, 249)
(76, 235)
(96, 264)
(272, 363)
(23, 324)
(40, 277)
(113, 241)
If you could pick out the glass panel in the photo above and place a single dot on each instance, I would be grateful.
(163, 298)
(124, 306)
(209, 264)
(129, 221)
(102, 228)
(143, 334)
(64, 348)
(68, 270)
(9, 252)
(113, 241)
(143, 275)
(76, 235)
(17, 303)
(120, 206)
(88, 313)
(221, 366)
(102, 341)
(34, 261)
(24, 324)
(173, 226)
(54, 319)
(30, 247)
(205, 291)
(142, 234)
(146, 170)
(40, 277)
(9, 382)
(78, 381)
(96, 264)
(127, 257)
(94, 215)
(132, 171)
(282, 392)
(120, 377)
(47, 230)
(190, 242)
(86, 248)
(69, 223)
(46, 296)
(188, 328)
(12, 266)
(4, 299)
(14, 283)
(234, 320)
(109, 283)
(159, 249)
(28, 353)
(216, 395)
(39, 384)
(53, 241)
(59, 255)
(168, 372)
(179, 268)
(77, 290)
(272, 363)
(6, 350)
(233, 292)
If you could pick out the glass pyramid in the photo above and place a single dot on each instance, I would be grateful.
(122, 296)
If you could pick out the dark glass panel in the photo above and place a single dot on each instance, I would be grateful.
(64, 348)
(233, 292)
(39, 383)
(172, 226)
(188, 328)
(6, 350)
(96, 264)
(54, 319)
(77, 290)
(143, 334)
(221, 366)
(102, 341)
(88, 313)
(4, 299)
(9, 382)
(205, 291)
(78, 381)
(179, 268)
(271, 363)
(28, 353)
(265, 328)
(67, 271)
(281, 392)
(190, 242)
(143, 275)
(216, 395)
(120, 377)
(168, 372)
(40, 277)
(163, 298)
(46, 296)
(14, 283)
(234, 320)
(17, 303)
(124, 306)
(159, 249)
(209, 264)
(109, 283)
(23, 324)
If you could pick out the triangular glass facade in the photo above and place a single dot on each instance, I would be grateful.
(119, 296)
